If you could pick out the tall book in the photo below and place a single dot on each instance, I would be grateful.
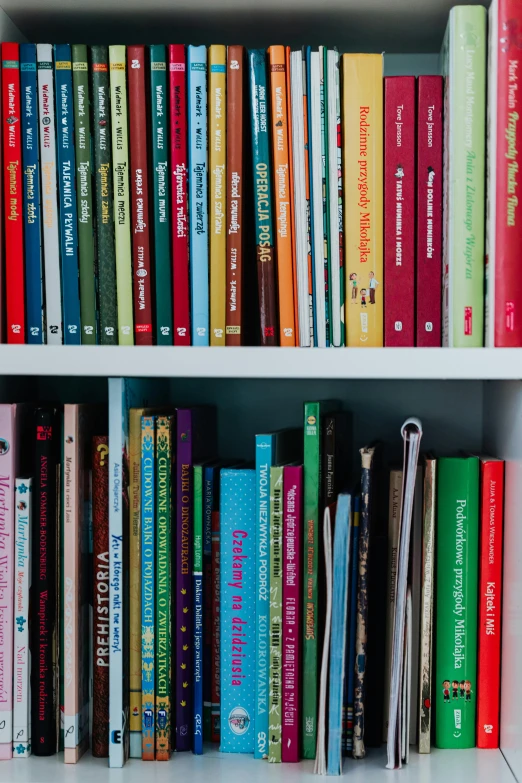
(148, 585)
(427, 619)
(463, 66)
(31, 190)
(179, 190)
(68, 215)
(122, 216)
(428, 291)
(103, 193)
(22, 656)
(139, 194)
(163, 665)
(13, 194)
(336, 455)
(335, 196)
(399, 211)
(363, 203)
(198, 192)
(457, 583)
(44, 634)
(352, 629)
(100, 621)
(394, 521)
(197, 612)
(84, 196)
(319, 252)
(490, 602)
(235, 194)
(237, 521)
(282, 195)
(217, 162)
(276, 614)
(325, 177)
(288, 81)
(503, 289)
(161, 193)
(263, 196)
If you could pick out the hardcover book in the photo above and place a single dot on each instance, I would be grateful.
(276, 614)
(335, 195)
(427, 619)
(197, 613)
(325, 176)
(148, 586)
(21, 653)
(217, 160)
(210, 502)
(215, 690)
(336, 455)
(319, 251)
(288, 84)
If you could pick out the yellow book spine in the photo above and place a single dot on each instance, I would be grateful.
(217, 58)
(363, 198)
(135, 415)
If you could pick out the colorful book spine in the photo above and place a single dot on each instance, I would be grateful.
(238, 618)
(276, 614)
(399, 211)
(103, 192)
(282, 196)
(209, 482)
(100, 640)
(352, 628)
(263, 196)
(490, 603)
(363, 207)
(84, 197)
(197, 619)
(235, 194)
(8, 468)
(148, 571)
(179, 189)
(198, 193)
(215, 690)
(68, 217)
(429, 212)
(31, 191)
(427, 620)
(135, 739)
(313, 75)
(265, 448)
(22, 658)
(163, 586)
(217, 160)
(160, 193)
(288, 84)
(335, 191)
(139, 194)
(463, 65)
(292, 543)
(457, 594)
(122, 216)
(325, 176)
(13, 194)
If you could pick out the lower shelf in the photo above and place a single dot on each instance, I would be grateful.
(441, 766)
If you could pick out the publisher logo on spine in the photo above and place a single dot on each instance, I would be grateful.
(239, 721)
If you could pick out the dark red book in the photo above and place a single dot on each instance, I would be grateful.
(13, 204)
(216, 635)
(139, 186)
(179, 171)
(399, 211)
(100, 640)
(490, 602)
(429, 212)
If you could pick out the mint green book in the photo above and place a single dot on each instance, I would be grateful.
(122, 216)
(457, 602)
(275, 676)
(463, 65)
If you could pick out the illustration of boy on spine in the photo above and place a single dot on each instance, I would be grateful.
(363, 297)
(455, 689)
(353, 281)
(446, 690)
(467, 686)
(462, 684)
(372, 285)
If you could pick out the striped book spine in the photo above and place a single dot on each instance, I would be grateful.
(148, 531)
(22, 659)
(163, 586)
(217, 133)
(197, 619)
(276, 612)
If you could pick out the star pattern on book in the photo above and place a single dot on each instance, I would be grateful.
(183, 628)
(185, 609)
(185, 646)
(183, 591)
(183, 666)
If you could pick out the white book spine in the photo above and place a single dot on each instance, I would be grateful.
(335, 187)
(317, 197)
(22, 655)
(50, 232)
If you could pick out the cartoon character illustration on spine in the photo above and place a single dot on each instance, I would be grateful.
(446, 690)
(372, 286)
(363, 297)
(467, 687)
(455, 689)
(353, 280)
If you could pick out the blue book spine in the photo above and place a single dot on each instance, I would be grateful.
(31, 188)
(148, 592)
(352, 625)
(265, 446)
(198, 187)
(238, 610)
(67, 194)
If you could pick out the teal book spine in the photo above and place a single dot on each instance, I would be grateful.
(148, 608)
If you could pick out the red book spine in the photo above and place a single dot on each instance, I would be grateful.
(179, 172)
(429, 212)
(490, 603)
(14, 243)
(139, 196)
(100, 641)
(216, 636)
(399, 211)
(292, 525)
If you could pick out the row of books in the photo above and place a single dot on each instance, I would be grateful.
(143, 185)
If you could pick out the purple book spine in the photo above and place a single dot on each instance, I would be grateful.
(183, 677)
(292, 524)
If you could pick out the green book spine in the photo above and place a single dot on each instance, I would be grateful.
(163, 586)
(457, 585)
(161, 203)
(122, 216)
(275, 680)
(101, 103)
(312, 455)
(463, 62)
(82, 137)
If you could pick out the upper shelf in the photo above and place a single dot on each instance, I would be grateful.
(361, 363)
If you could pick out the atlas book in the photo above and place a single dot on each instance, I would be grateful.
(148, 591)
(217, 161)
(21, 653)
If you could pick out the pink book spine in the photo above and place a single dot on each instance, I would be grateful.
(292, 524)
(399, 211)
(7, 534)
(429, 212)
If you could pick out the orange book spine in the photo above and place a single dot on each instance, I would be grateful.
(291, 174)
(282, 200)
